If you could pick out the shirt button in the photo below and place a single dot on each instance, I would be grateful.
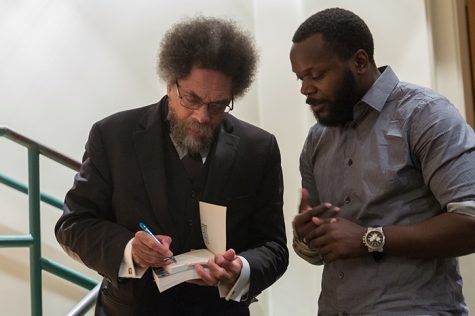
(193, 194)
(350, 162)
(190, 223)
(341, 275)
(347, 200)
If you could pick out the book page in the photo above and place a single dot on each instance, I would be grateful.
(213, 229)
(213, 226)
(164, 283)
(187, 260)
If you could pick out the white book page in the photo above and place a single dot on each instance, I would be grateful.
(213, 226)
(164, 284)
(187, 260)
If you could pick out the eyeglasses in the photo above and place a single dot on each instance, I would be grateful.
(193, 102)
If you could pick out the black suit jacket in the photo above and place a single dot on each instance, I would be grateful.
(122, 182)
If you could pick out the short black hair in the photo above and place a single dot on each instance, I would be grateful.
(343, 31)
(212, 43)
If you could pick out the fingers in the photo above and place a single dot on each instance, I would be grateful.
(305, 222)
(226, 263)
(324, 210)
(229, 255)
(224, 268)
(165, 240)
(147, 252)
(318, 221)
(319, 237)
(206, 277)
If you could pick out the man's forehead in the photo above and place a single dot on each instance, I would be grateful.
(205, 82)
(310, 53)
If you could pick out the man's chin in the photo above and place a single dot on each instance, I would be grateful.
(327, 120)
(194, 132)
(196, 144)
(320, 115)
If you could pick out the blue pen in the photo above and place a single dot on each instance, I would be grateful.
(145, 229)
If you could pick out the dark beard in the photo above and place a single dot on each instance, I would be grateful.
(340, 111)
(179, 132)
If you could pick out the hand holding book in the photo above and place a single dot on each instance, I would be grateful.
(213, 229)
(222, 269)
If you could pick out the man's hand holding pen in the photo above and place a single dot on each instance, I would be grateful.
(147, 252)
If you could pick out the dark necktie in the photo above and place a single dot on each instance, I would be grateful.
(193, 165)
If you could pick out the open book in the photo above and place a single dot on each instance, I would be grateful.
(213, 229)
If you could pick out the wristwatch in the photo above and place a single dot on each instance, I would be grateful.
(374, 239)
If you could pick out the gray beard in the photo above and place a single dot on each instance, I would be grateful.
(178, 131)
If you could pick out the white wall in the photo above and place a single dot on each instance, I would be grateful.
(65, 64)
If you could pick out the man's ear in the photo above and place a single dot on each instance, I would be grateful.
(360, 62)
(169, 89)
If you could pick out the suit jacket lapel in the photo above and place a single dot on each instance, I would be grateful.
(148, 142)
(221, 163)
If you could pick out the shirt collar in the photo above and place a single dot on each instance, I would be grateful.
(376, 97)
(381, 89)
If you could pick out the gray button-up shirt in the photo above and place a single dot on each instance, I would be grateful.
(407, 156)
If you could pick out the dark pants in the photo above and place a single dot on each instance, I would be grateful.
(141, 297)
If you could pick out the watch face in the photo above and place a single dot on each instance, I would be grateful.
(374, 239)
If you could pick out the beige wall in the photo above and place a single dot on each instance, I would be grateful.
(451, 77)
(66, 64)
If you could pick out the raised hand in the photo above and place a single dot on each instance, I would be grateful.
(304, 221)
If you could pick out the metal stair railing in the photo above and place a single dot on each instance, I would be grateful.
(33, 239)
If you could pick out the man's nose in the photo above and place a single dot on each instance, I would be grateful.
(307, 88)
(202, 114)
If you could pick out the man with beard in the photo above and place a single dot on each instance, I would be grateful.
(154, 164)
(388, 176)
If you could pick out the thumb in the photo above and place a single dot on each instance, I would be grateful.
(229, 255)
(304, 201)
(165, 240)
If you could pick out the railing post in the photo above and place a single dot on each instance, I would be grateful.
(33, 239)
(35, 229)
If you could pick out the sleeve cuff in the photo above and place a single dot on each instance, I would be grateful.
(241, 287)
(303, 251)
(127, 268)
(464, 207)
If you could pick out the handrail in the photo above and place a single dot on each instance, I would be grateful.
(33, 239)
(44, 150)
(86, 303)
(48, 199)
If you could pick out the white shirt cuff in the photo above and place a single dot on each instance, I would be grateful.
(240, 287)
(127, 268)
(465, 207)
